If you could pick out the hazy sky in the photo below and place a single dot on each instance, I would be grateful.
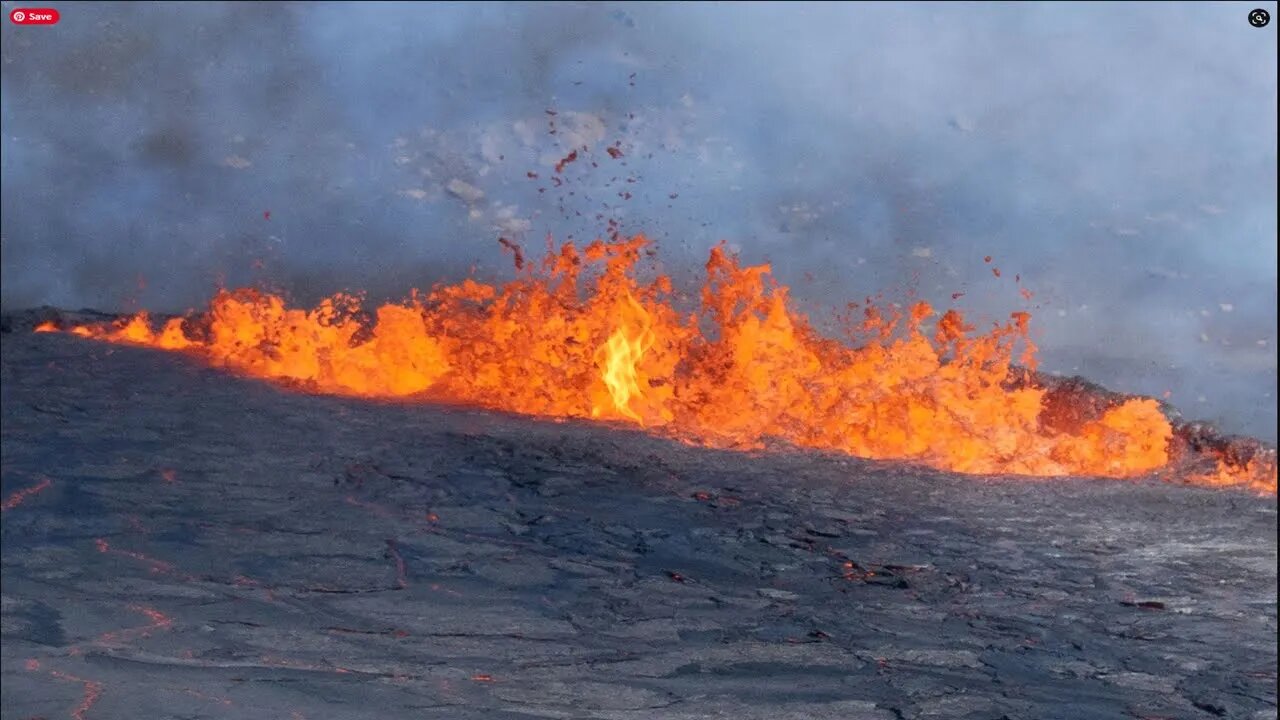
(1120, 159)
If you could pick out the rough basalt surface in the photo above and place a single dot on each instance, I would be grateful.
(181, 543)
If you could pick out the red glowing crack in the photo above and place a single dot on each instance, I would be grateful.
(20, 496)
(159, 621)
(92, 691)
(157, 566)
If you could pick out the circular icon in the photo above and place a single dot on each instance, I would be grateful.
(1259, 17)
(19, 16)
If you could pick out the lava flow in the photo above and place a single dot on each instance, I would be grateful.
(579, 335)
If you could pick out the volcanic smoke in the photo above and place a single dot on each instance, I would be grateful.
(579, 335)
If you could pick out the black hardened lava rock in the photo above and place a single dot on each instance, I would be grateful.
(180, 542)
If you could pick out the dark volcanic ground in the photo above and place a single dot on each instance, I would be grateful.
(179, 543)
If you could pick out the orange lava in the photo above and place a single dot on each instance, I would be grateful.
(1257, 474)
(580, 336)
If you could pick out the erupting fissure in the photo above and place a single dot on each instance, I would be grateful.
(579, 335)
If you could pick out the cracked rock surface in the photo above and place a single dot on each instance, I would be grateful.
(182, 543)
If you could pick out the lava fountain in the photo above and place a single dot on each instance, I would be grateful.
(578, 335)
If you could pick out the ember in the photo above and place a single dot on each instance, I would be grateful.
(743, 368)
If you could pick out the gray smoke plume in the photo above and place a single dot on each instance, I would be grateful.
(1116, 161)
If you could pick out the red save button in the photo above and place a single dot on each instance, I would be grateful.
(34, 16)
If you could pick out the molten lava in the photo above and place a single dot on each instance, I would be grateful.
(578, 335)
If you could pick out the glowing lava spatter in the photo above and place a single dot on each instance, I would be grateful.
(578, 335)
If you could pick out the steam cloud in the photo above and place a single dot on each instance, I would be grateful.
(1120, 159)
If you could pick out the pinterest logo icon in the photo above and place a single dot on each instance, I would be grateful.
(19, 16)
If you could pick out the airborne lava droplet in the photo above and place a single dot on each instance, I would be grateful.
(515, 250)
(572, 156)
